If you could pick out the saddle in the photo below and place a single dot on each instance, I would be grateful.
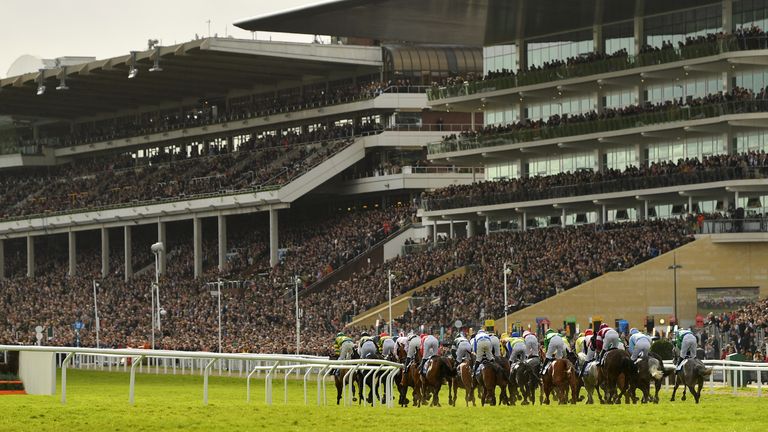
(426, 364)
(681, 364)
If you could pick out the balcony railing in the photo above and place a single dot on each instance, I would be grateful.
(724, 44)
(721, 226)
(673, 113)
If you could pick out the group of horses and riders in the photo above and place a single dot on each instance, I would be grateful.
(516, 365)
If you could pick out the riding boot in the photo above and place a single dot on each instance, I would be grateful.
(544, 366)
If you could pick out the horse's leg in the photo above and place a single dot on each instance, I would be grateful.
(685, 388)
(698, 388)
(674, 389)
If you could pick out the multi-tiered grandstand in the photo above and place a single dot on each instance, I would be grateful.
(582, 151)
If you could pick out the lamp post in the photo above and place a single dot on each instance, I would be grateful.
(390, 276)
(96, 312)
(296, 281)
(157, 249)
(506, 272)
(674, 268)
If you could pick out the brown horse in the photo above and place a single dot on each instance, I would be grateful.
(463, 379)
(490, 375)
(438, 371)
(357, 381)
(560, 377)
(615, 374)
(412, 378)
(398, 358)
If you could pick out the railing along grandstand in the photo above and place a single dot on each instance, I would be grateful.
(628, 183)
(381, 370)
(747, 225)
(672, 113)
(723, 44)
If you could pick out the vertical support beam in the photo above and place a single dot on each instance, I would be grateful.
(273, 237)
(451, 232)
(434, 230)
(128, 254)
(603, 214)
(161, 236)
(562, 218)
(736, 199)
(487, 224)
(197, 238)
(690, 204)
(728, 25)
(2, 259)
(30, 256)
(639, 31)
(525, 221)
(104, 252)
(645, 209)
(599, 159)
(72, 242)
(222, 224)
(470, 228)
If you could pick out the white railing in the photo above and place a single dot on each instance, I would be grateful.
(731, 373)
(252, 364)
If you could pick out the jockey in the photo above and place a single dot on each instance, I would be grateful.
(639, 344)
(483, 346)
(495, 344)
(607, 339)
(462, 349)
(366, 346)
(588, 347)
(386, 345)
(687, 344)
(429, 348)
(554, 346)
(414, 343)
(578, 345)
(515, 348)
(343, 346)
(531, 344)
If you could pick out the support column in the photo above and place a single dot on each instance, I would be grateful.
(451, 233)
(727, 16)
(72, 240)
(562, 219)
(525, 221)
(470, 228)
(599, 159)
(273, 231)
(2, 259)
(522, 54)
(690, 204)
(487, 224)
(645, 210)
(197, 239)
(736, 199)
(638, 26)
(30, 256)
(434, 230)
(597, 37)
(128, 254)
(161, 236)
(222, 242)
(104, 252)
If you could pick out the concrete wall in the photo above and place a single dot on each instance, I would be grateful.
(647, 289)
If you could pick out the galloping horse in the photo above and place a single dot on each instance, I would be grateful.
(399, 357)
(357, 380)
(615, 374)
(692, 376)
(412, 378)
(490, 375)
(650, 369)
(561, 376)
(439, 370)
(590, 379)
(463, 379)
(527, 379)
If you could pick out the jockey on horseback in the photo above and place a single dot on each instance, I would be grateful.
(414, 343)
(687, 344)
(366, 346)
(607, 339)
(588, 347)
(343, 346)
(578, 345)
(515, 348)
(429, 348)
(483, 348)
(495, 344)
(461, 349)
(387, 345)
(554, 346)
(639, 345)
(531, 344)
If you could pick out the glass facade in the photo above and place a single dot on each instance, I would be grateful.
(501, 117)
(561, 106)
(677, 26)
(620, 158)
(505, 170)
(686, 148)
(619, 99)
(684, 89)
(755, 80)
(498, 57)
(556, 164)
(619, 36)
(747, 13)
(751, 141)
(559, 47)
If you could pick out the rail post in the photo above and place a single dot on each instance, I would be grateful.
(132, 386)
(205, 380)
(64, 365)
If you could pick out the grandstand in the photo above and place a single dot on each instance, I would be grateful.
(575, 144)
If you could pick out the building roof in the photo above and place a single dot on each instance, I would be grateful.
(196, 69)
(456, 22)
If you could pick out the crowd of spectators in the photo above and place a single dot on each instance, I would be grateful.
(583, 182)
(260, 163)
(738, 331)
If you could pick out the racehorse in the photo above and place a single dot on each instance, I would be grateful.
(527, 379)
(692, 376)
(438, 370)
(464, 379)
(589, 380)
(357, 380)
(650, 369)
(492, 374)
(412, 378)
(560, 376)
(615, 374)
(399, 357)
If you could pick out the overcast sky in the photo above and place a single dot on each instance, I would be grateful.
(109, 28)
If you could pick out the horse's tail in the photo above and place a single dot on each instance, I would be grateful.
(653, 369)
(702, 370)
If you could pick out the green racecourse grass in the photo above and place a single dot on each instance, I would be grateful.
(98, 401)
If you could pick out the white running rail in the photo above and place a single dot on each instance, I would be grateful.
(381, 370)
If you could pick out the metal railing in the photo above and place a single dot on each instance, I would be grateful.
(731, 373)
(667, 114)
(431, 127)
(747, 225)
(478, 197)
(382, 371)
(724, 44)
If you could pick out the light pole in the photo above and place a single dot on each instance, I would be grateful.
(296, 281)
(674, 268)
(506, 272)
(157, 249)
(390, 276)
(218, 299)
(96, 312)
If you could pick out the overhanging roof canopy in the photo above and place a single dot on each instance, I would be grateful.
(457, 22)
(197, 69)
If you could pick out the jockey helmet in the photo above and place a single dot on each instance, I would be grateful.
(527, 333)
(550, 331)
(633, 331)
(588, 332)
(340, 334)
(364, 334)
(515, 334)
(383, 334)
(603, 326)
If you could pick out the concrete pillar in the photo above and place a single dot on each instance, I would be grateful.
(645, 209)
(727, 16)
(597, 38)
(690, 204)
(522, 54)
(163, 256)
(72, 240)
(736, 199)
(562, 219)
(639, 32)
(434, 230)
(525, 221)
(451, 233)
(222, 220)
(30, 256)
(470, 228)
(599, 159)
(104, 252)
(2, 259)
(487, 224)
(197, 239)
(603, 214)
(128, 254)
(273, 237)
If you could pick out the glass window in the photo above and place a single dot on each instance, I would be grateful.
(675, 27)
(559, 47)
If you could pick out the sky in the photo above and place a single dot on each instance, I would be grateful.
(109, 28)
